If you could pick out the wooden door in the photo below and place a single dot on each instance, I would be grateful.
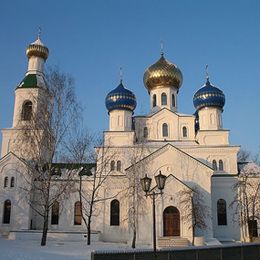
(171, 221)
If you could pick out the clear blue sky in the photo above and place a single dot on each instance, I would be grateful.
(92, 39)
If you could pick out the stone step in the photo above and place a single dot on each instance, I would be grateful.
(164, 242)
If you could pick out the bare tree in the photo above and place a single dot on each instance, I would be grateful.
(41, 140)
(194, 208)
(93, 193)
(243, 155)
(93, 177)
(80, 147)
(247, 198)
(134, 190)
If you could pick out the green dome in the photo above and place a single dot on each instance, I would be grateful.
(32, 81)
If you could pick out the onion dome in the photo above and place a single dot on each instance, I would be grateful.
(162, 73)
(120, 98)
(38, 49)
(209, 96)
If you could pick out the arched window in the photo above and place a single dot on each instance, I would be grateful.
(222, 212)
(165, 130)
(154, 100)
(27, 111)
(118, 166)
(114, 213)
(173, 101)
(164, 99)
(12, 182)
(7, 212)
(184, 132)
(112, 165)
(214, 165)
(77, 213)
(55, 211)
(5, 182)
(145, 132)
(220, 165)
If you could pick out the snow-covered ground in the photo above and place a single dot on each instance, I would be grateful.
(31, 250)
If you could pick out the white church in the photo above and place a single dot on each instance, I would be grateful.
(190, 150)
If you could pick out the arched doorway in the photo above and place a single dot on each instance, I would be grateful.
(171, 222)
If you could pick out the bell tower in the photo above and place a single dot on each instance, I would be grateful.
(30, 95)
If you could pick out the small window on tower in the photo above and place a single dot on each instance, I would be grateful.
(12, 182)
(214, 165)
(118, 166)
(27, 111)
(173, 101)
(5, 182)
(112, 166)
(164, 99)
(221, 165)
(145, 132)
(184, 131)
(154, 100)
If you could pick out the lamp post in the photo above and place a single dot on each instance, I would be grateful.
(146, 185)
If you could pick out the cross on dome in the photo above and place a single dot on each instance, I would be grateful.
(121, 74)
(39, 32)
(162, 47)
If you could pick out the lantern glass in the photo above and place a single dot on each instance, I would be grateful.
(146, 183)
(160, 180)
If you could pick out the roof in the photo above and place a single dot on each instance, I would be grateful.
(170, 145)
(85, 168)
(164, 108)
(32, 81)
(171, 175)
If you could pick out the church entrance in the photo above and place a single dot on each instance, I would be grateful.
(171, 222)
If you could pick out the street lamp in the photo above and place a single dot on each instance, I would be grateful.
(146, 185)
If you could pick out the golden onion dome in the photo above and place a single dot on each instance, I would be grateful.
(38, 49)
(162, 73)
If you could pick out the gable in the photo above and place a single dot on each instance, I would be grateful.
(173, 161)
(173, 122)
(172, 180)
(10, 158)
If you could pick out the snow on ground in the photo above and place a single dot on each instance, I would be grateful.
(31, 250)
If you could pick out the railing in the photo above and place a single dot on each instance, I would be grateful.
(250, 251)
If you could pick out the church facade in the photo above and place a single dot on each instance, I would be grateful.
(192, 151)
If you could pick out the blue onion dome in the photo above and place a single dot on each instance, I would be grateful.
(162, 73)
(120, 98)
(209, 96)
